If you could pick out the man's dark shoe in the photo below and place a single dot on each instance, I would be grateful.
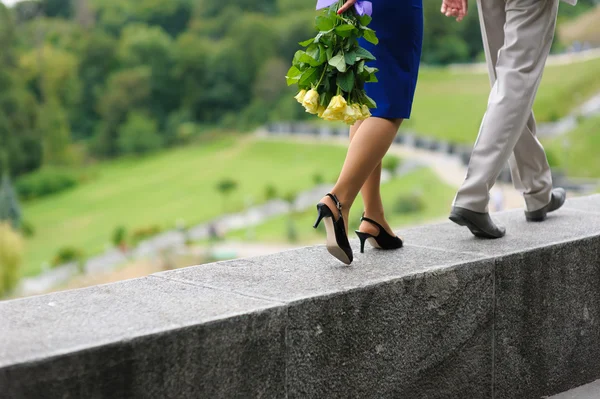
(559, 196)
(480, 224)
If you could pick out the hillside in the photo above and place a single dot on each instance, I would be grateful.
(580, 158)
(181, 186)
(585, 28)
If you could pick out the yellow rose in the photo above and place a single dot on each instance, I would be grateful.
(331, 115)
(350, 114)
(366, 112)
(300, 96)
(311, 101)
(336, 109)
(358, 112)
(338, 103)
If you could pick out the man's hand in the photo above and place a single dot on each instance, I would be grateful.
(455, 8)
(346, 7)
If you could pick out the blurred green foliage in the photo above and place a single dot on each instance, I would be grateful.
(125, 76)
(11, 257)
(45, 182)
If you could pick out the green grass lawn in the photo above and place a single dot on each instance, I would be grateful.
(176, 184)
(449, 105)
(582, 157)
(436, 195)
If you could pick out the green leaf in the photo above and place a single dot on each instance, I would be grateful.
(307, 59)
(364, 54)
(369, 101)
(322, 54)
(329, 52)
(313, 52)
(327, 83)
(310, 76)
(307, 42)
(327, 38)
(293, 76)
(346, 81)
(372, 79)
(349, 44)
(325, 23)
(370, 36)
(338, 62)
(315, 55)
(344, 30)
(371, 70)
(297, 57)
(365, 20)
(360, 67)
(350, 57)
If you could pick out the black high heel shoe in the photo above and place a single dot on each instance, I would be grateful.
(382, 241)
(337, 239)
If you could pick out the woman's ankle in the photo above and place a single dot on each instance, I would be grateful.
(377, 215)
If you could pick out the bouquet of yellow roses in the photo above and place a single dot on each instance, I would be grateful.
(331, 72)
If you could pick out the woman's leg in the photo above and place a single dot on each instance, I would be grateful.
(369, 143)
(371, 194)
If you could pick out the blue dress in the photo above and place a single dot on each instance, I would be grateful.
(399, 27)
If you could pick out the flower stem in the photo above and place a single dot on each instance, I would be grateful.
(322, 76)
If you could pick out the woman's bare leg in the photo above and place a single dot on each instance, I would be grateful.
(371, 194)
(370, 141)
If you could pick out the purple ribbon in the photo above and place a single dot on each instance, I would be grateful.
(362, 7)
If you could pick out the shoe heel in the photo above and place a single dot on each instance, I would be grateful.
(322, 212)
(363, 237)
(458, 220)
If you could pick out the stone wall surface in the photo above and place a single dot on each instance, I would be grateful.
(447, 316)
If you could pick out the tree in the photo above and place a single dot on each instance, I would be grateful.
(151, 47)
(180, 127)
(97, 62)
(139, 135)
(212, 8)
(254, 40)
(83, 13)
(292, 28)
(226, 187)
(18, 109)
(10, 211)
(11, 257)
(172, 16)
(266, 88)
(18, 134)
(53, 126)
(293, 5)
(126, 90)
(53, 74)
(193, 56)
(446, 41)
(57, 8)
(219, 83)
(119, 238)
